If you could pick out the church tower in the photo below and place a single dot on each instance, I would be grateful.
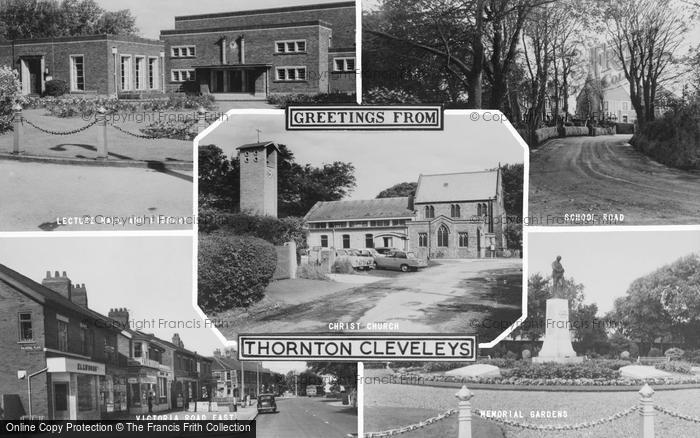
(258, 163)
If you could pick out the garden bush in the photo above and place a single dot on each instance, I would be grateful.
(526, 354)
(674, 139)
(56, 88)
(675, 366)
(384, 96)
(586, 370)
(511, 355)
(692, 356)
(625, 355)
(172, 129)
(10, 93)
(343, 266)
(233, 271)
(674, 353)
(285, 100)
(312, 272)
(654, 352)
(274, 230)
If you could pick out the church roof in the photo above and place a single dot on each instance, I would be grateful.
(453, 187)
(261, 144)
(366, 209)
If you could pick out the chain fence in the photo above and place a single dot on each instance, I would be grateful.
(48, 131)
(674, 414)
(143, 136)
(411, 427)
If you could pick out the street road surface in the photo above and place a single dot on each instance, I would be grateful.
(606, 175)
(309, 417)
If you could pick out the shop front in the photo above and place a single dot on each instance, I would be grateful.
(113, 399)
(73, 386)
(147, 391)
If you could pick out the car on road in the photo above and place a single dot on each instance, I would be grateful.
(401, 260)
(384, 250)
(267, 403)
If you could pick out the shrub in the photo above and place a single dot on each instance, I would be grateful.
(511, 355)
(692, 356)
(594, 369)
(675, 366)
(312, 272)
(625, 355)
(343, 266)
(654, 352)
(172, 129)
(499, 362)
(285, 100)
(674, 353)
(233, 271)
(384, 96)
(10, 93)
(526, 354)
(56, 88)
(274, 230)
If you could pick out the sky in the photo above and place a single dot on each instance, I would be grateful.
(606, 263)
(152, 16)
(384, 158)
(150, 276)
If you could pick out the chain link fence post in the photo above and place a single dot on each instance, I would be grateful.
(646, 411)
(17, 129)
(464, 418)
(102, 147)
(201, 119)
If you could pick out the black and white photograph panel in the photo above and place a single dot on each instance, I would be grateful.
(101, 100)
(360, 231)
(608, 339)
(608, 108)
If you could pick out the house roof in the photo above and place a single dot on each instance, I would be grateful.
(365, 209)
(45, 296)
(452, 187)
(231, 363)
(346, 4)
(262, 144)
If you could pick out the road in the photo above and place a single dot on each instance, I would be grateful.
(308, 417)
(605, 175)
(452, 296)
(35, 195)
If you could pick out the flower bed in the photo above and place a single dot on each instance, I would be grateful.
(675, 366)
(70, 106)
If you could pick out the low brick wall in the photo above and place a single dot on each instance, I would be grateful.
(574, 131)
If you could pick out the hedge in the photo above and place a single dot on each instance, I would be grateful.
(233, 271)
(274, 230)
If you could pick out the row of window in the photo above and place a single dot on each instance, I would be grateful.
(145, 77)
(443, 238)
(87, 337)
(388, 241)
(456, 210)
(360, 224)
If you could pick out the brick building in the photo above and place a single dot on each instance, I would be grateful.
(90, 65)
(69, 350)
(255, 53)
(235, 378)
(458, 215)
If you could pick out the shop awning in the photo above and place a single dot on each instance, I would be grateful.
(69, 365)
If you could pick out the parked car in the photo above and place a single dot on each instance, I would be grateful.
(267, 403)
(383, 250)
(357, 260)
(401, 260)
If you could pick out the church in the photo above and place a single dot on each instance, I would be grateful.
(452, 215)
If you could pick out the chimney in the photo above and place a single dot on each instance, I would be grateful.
(121, 315)
(177, 341)
(58, 283)
(217, 352)
(79, 295)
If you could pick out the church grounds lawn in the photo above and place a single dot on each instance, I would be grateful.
(83, 144)
(580, 407)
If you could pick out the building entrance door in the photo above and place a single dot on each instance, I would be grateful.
(61, 405)
(32, 75)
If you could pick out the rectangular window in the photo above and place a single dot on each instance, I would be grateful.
(182, 75)
(77, 73)
(183, 51)
(138, 349)
(369, 241)
(162, 387)
(153, 73)
(423, 240)
(324, 241)
(126, 81)
(388, 242)
(83, 339)
(140, 73)
(62, 331)
(290, 74)
(291, 46)
(344, 64)
(86, 392)
(346, 241)
(463, 240)
(26, 334)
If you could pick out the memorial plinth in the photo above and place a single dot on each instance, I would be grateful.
(557, 339)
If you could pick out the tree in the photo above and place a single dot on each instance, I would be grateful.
(299, 187)
(645, 36)
(345, 373)
(513, 179)
(399, 190)
(49, 19)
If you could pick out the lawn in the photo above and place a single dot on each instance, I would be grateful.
(580, 407)
(83, 144)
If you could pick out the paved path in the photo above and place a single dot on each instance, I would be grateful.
(606, 175)
(35, 195)
(309, 418)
